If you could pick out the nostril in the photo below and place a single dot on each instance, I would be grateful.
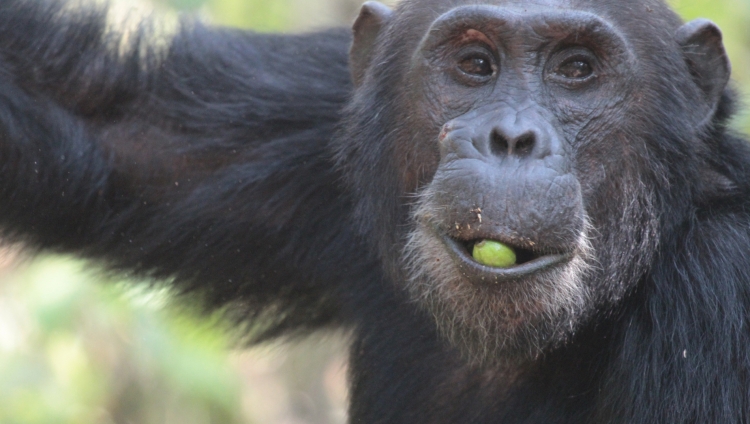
(524, 145)
(499, 144)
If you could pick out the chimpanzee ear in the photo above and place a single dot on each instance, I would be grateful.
(702, 46)
(372, 17)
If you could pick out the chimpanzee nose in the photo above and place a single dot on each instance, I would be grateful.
(524, 134)
(501, 134)
(501, 143)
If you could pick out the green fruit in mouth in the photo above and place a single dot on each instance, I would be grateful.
(493, 253)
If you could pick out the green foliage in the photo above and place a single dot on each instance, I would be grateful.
(188, 5)
(75, 351)
(261, 15)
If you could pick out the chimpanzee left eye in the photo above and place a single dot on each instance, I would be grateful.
(575, 69)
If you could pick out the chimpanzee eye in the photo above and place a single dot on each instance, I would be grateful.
(575, 69)
(476, 65)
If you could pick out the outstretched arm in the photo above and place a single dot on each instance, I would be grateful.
(204, 161)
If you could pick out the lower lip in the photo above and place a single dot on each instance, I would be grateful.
(487, 273)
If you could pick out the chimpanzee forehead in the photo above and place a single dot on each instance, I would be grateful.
(531, 4)
(643, 10)
(646, 20)
(529, 30)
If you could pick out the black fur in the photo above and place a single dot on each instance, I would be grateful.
(210, 162)
(204, 161)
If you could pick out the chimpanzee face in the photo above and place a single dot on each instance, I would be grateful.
(528, 128)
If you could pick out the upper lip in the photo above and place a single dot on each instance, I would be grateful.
(536, 258)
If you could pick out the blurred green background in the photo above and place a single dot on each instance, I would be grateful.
(74, 350)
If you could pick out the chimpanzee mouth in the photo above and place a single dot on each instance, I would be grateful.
(527, 262)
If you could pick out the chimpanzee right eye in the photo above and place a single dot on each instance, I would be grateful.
(477, 64)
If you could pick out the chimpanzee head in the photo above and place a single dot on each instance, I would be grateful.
(570, 131)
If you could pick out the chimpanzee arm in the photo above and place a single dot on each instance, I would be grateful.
(204, 160)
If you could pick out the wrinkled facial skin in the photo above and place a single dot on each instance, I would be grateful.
(515, 94)
(539, 126)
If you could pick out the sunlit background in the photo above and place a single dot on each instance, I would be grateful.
(79, 348)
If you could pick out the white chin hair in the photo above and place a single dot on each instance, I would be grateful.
(504, 322)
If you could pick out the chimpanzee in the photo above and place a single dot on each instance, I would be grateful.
(524, 212)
